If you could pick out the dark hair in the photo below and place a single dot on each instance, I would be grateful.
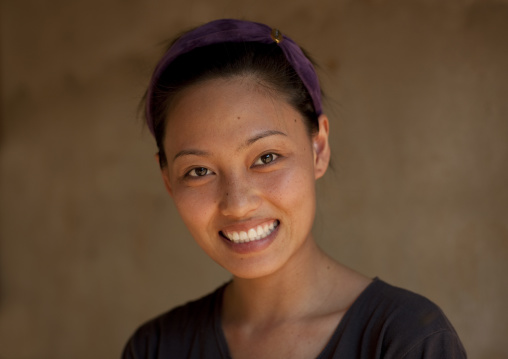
(267, 62)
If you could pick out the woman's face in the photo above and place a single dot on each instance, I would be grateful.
(241, 170)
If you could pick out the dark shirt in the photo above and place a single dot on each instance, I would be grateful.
(383, 322)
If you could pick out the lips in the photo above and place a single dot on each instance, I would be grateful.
(251, 234)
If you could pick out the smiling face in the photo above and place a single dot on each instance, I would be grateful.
(241, 170)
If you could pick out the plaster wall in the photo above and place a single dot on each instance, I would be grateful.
(91, 245)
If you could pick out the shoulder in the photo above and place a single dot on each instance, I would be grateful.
(395, 303)
(408, 324)
(174, 331)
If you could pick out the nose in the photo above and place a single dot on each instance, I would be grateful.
(239, 197)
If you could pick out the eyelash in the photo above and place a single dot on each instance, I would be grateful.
(189, 174)
(274, 157)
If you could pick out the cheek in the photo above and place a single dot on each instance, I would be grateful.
(195, 205)
(292, 187)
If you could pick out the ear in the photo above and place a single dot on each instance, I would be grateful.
(165, 175)
(321, 148)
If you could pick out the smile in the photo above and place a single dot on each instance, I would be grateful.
(252, 234)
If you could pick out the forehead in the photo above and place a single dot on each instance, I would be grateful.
(221, 111)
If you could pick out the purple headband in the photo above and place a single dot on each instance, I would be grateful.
(230, 30)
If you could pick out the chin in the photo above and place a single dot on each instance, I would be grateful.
(253, 272)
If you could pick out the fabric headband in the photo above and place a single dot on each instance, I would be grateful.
(230, 30)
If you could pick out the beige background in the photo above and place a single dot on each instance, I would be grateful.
(90, 244)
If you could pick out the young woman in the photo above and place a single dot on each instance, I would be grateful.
(235, 109)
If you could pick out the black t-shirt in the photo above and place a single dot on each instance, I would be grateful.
(383, 322)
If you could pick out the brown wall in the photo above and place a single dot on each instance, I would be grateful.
(90, 244)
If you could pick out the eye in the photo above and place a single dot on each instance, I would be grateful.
(266, 159)
(199, 172)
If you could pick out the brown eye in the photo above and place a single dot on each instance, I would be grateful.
(198, 172)
(266, 159)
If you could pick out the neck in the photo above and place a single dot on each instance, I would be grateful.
(296, 290)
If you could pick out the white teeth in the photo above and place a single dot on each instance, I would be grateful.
(253, 234)
(260, 231)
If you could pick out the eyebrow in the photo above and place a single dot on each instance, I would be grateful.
(249, 142)
(261, 135)
(191, 152)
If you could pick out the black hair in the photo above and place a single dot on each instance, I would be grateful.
(266, 62)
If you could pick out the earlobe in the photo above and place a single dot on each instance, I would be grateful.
(321, 147)
(165, 176)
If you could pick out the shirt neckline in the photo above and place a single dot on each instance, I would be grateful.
(339, 329)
